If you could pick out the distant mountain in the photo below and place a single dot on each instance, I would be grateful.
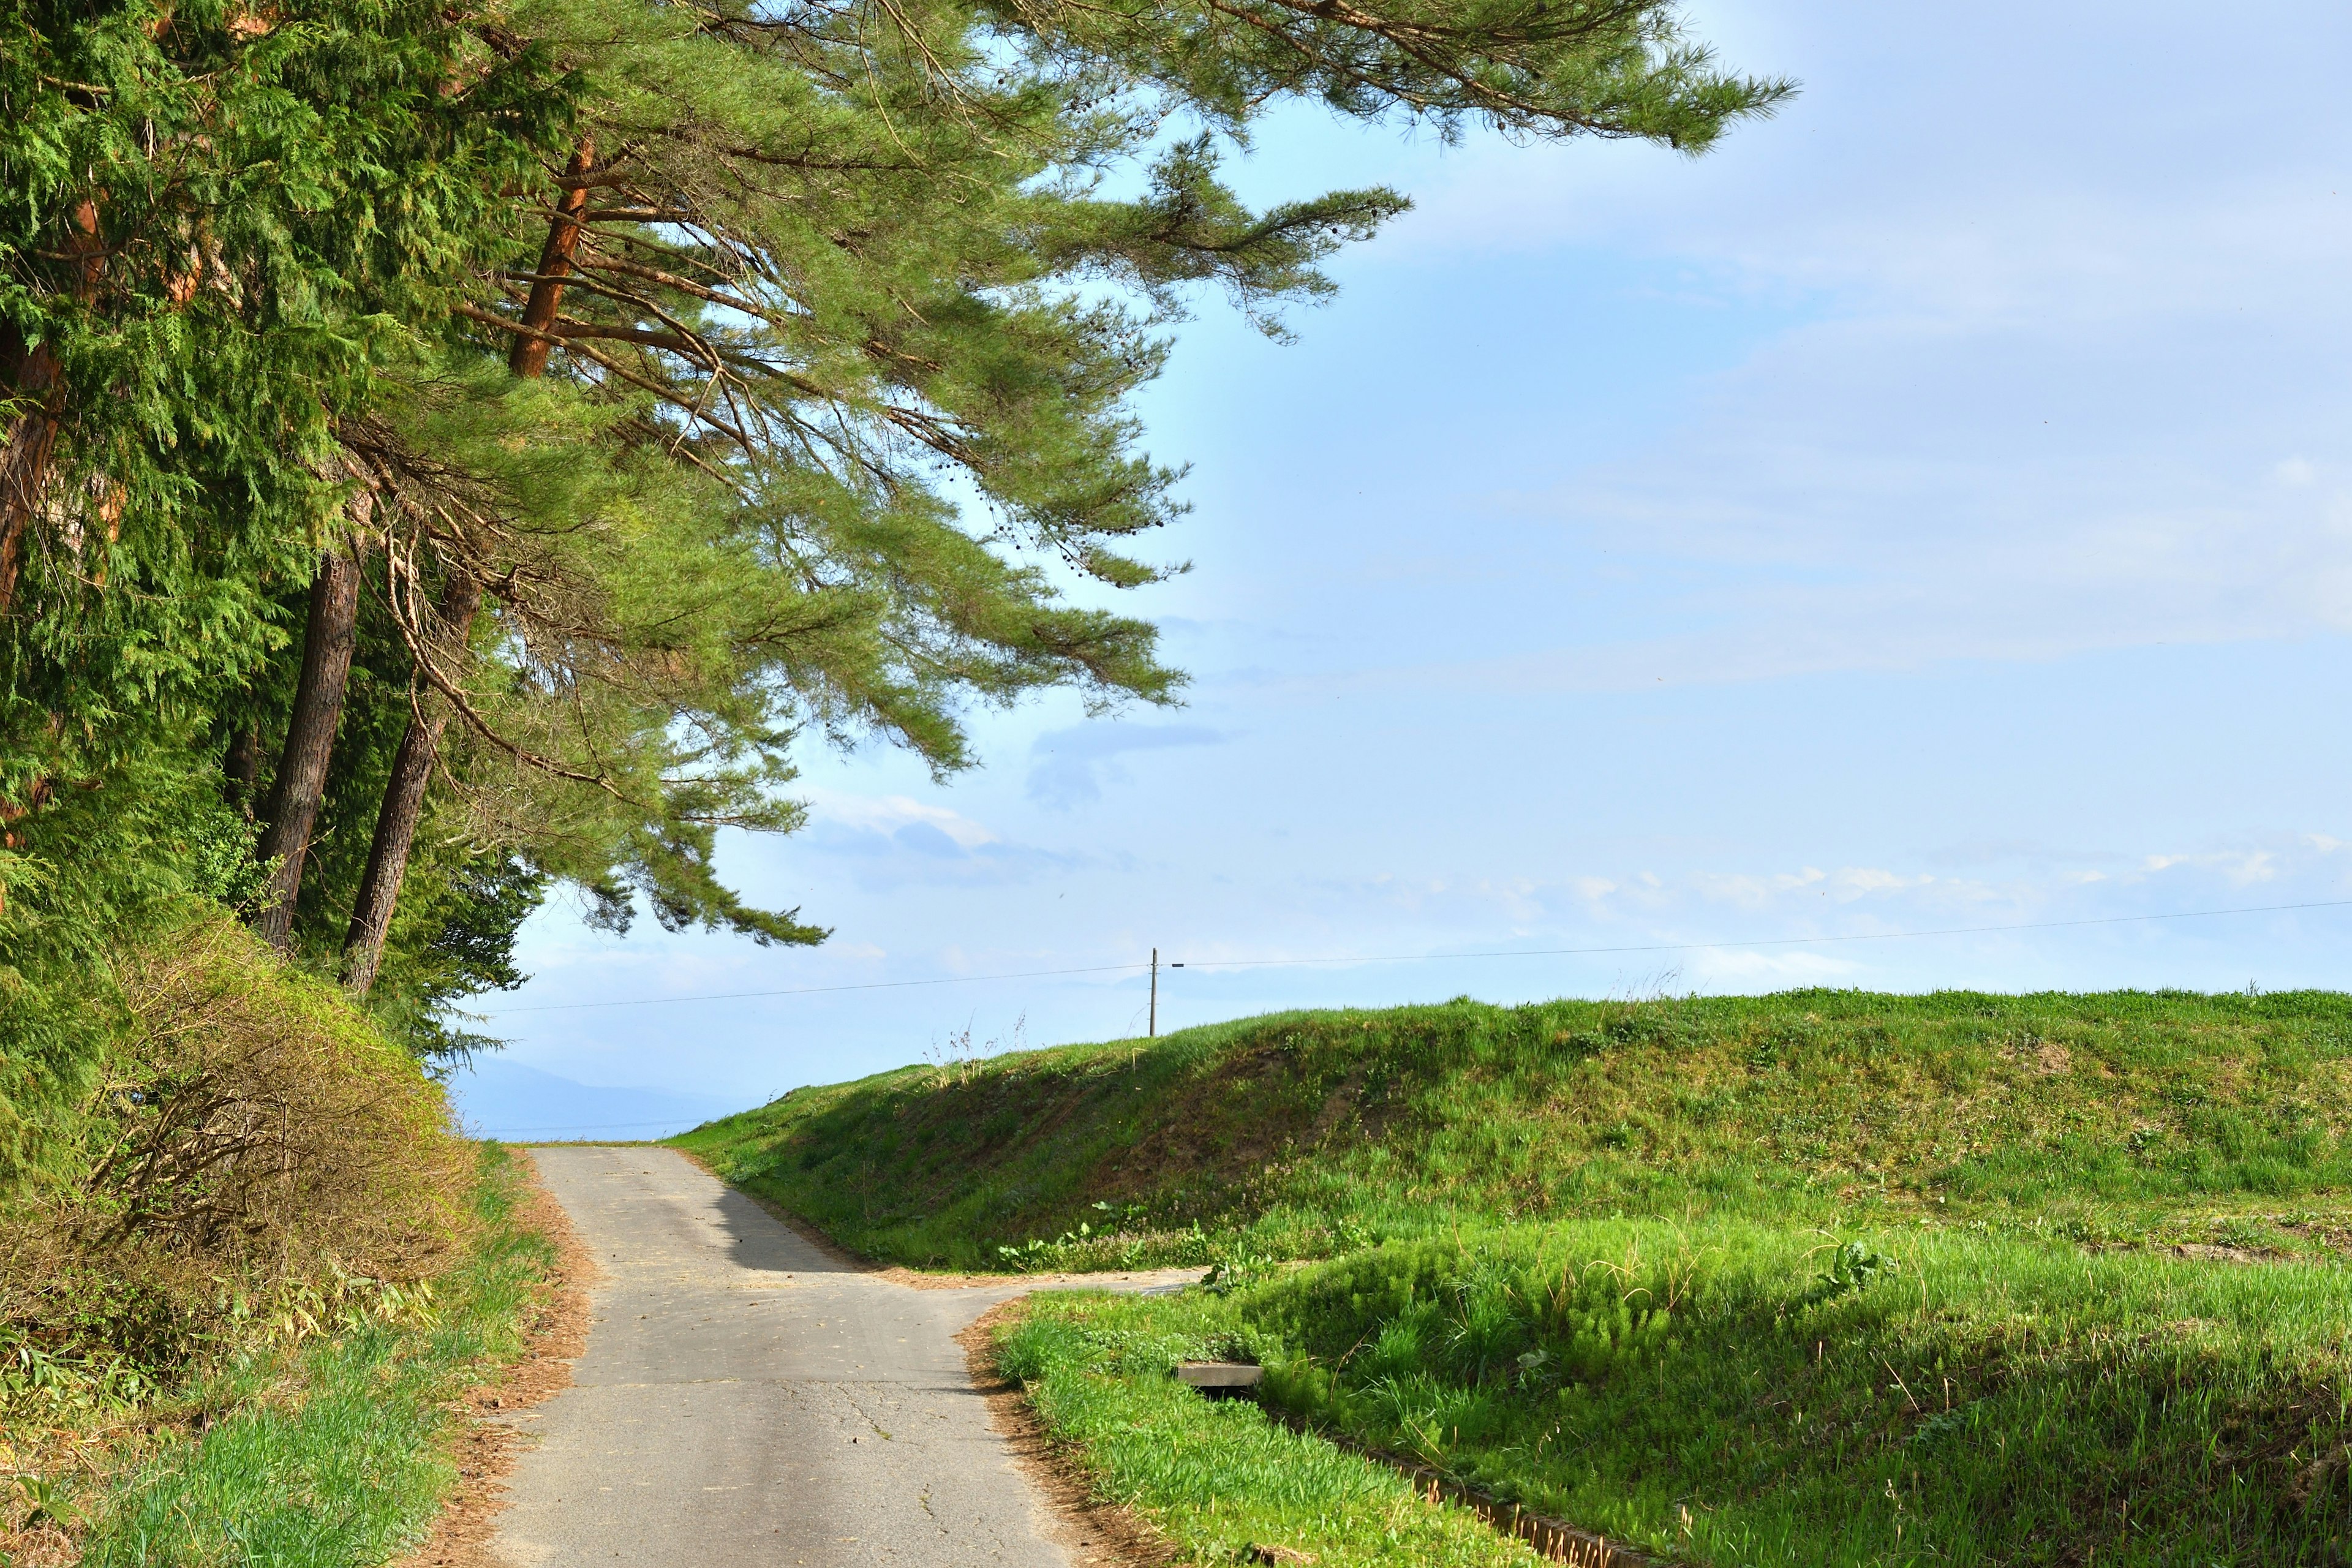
(500, 1098)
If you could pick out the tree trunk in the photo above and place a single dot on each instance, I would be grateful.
(528, 357)
(25, 463)
(242, 767)
(461, 600)
(327, 643)
(32, 441)
(404, 803)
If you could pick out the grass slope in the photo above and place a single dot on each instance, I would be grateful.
(1741, 1395)
(1815, 1278)
(2120, 1118)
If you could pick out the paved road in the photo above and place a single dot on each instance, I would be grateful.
(744, 1400)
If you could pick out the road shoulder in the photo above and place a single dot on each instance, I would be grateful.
(489, 1430)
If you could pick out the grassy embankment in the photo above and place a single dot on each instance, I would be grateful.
(333, 1457)
(238, 1300)
(1821, 1278)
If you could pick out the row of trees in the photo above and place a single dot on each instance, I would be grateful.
(454, 448)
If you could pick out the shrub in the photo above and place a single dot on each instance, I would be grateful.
(256, 1160)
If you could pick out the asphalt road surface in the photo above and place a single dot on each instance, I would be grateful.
(745, 1400)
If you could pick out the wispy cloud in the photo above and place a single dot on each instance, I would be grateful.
(1069, 767)
(896, 840)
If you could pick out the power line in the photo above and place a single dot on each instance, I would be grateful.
(1440, 957)
(592, 1127)
(813, 990)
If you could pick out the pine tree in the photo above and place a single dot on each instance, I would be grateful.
(635, 393)
(837, 256)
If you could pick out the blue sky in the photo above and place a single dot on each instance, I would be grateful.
(1932, 509)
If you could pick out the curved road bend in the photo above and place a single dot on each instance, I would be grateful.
(745, 1400)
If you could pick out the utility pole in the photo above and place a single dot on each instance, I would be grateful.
(1154, 1026)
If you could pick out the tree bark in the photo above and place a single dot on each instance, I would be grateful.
(32, 441)
(404, 803)
(528, 357)
(327, 643)
(242, 767)
(461, 600)
(25, 463)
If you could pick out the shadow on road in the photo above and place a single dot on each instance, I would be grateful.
(764, 1242)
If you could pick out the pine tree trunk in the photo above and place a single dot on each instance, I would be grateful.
(528, 355)
(242, 767)
(404, 803)
(461, 600)
(327, 645)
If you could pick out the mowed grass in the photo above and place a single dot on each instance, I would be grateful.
(2117, 1118)
(334, 1458)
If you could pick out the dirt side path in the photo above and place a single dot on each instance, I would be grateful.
(490, 1436)
(1090, 1530)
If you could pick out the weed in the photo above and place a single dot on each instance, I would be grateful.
(1852, 1266)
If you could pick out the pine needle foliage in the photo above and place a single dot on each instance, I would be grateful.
(682, 383)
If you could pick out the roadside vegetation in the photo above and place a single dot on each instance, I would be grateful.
(1821, 1278)
(450, 452)
(238, 1295)
(1219, 1478)
(333, 1453)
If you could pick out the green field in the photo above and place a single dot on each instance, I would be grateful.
(1821, 1278)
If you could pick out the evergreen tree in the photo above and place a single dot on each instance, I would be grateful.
(466, 448)
(846, 261)
(213, 223)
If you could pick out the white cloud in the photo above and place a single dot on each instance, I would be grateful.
(887, 815)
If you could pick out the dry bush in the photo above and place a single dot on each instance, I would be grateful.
(253, 1115)
(259, 1160)
(258, 1165)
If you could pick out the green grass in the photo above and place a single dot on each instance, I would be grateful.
(333, 1458)
(1741, 1393)
(1737, 1394)
(2125, 1118)
(1818, 1278)
(1218, 1477)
